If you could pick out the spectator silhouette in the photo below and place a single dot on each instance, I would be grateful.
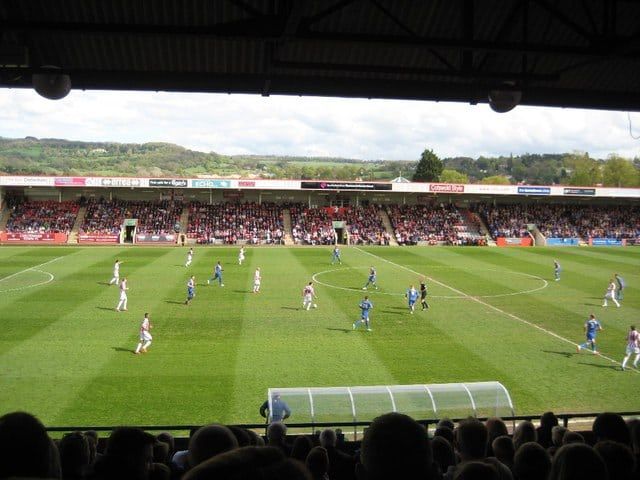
(525, 432)
(444, 432)
(476, 471)
(495, 428)
(128, 456)
(209, 441)
(75, 455)
(503, 450)
(318, 463)
(578, 462)
(301, 447)
(443, 454)
(531, 462)
(341, 465)
(619, 459)
(572, 437)
(543, 432)
(277, 437)
(25, 448)
(611, 426)
(249, 463)
(395, 446)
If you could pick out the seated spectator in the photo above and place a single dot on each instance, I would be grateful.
(525, 432)
(443, 455)
(476, 471)
(209, 441)
(129, 455)
(317, 463)
(444, 432)
(572, 437)
(578, 461)
(531, 462)
(301, 447)
(264, 463)
(611, 426)
(25, 448)
(277, 437)
(619, 459)
(341, 465)
(495, 428)
(543, 432)
(75, 455)
(43, 217)
(503, 450)
(396, 446)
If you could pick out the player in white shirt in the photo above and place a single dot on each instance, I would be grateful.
(633, 346)
(122, 304)
(241, 256)
(189, 257)
(116, 273)
(257, 279)
(145, 335)
(611, 293)
(308, 294)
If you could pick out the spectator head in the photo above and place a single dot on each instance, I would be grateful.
(446, 433)
(255, 439)
(495, 428)
(241, 434)
(572, 437)
(476, 471)
(301, 447)
(328, 438)
(249, 463)
(168, 438)
(503, 450)
(619, 459)
(443, 454)
(634, 432)
(209, 441)
(276, 433)
(531, 462)
(524, 432)
(130, 450)
(92, 438)
(578, 461)
(25, 447)
(161, 452)
(395, 446)
(557, 434)
(75, 455)
(317, 462)
(611, 426)
(446, 422)
(548, 420)
(471, 440)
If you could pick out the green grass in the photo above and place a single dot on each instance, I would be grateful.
(66, 355)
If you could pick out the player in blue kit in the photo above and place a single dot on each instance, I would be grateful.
(365, 306)
(412, 297)
(371, 280)
(557, 270)
(217, 275)
(191, 290)
(335, 256)
(591, 328)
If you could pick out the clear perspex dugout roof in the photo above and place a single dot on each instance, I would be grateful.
(421, 402)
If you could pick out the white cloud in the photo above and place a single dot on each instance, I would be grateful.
(337, 127)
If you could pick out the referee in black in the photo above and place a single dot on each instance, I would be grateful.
(423, 295)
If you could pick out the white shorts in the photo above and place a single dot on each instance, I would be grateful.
(307, 299)
(256, 283)
(241, 257)
(123, 296)
(145, 336)
(631, 350)
(609, 294)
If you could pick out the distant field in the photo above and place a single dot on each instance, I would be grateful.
(66, 355)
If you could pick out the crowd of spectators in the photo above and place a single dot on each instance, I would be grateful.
(42, 217)
(231, 223)
(394, 447)
(433, 224)
(105, 217)
(314, 226)
(562, 221)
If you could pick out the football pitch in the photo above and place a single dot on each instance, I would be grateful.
(496, 314)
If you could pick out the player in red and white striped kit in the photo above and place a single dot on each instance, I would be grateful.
(308, 295)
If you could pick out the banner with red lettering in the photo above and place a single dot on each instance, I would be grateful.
(47, 237)
(514, 241)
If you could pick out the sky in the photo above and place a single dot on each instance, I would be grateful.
(315, 126)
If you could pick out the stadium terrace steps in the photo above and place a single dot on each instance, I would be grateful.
(73, 234)
(4, 218)
(538, 238)
(388, 227)
(475, 224)
(286, 219)
(184, 218)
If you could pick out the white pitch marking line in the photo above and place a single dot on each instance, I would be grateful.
(545, 284)
(30, 268)
(492, 307)
(17, 289)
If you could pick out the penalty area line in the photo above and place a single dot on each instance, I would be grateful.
(488, 305)
(30, 268)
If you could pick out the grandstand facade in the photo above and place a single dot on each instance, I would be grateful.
(90, 210)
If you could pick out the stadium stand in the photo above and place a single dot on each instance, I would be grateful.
(154, 218)
(561, 221)
(394, 446)
(232, 223)
(432, 224)
(42, 216)
(313, 226)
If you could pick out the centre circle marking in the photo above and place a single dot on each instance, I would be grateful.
(544, 285)
(17, 289)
